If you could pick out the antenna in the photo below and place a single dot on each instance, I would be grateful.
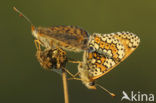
(22, 15)
(112, 94)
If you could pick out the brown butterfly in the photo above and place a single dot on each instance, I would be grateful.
(70, 38)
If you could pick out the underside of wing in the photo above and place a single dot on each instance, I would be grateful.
(108, 46)
(98, 64)
(129, 40)
(70, 35)
(115, 48)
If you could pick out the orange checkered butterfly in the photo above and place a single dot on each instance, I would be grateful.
(105, 53)
(70, 38)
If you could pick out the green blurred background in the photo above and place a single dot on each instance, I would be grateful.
(21, 79)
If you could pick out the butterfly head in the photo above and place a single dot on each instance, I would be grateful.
(90, 85)
(34, 31)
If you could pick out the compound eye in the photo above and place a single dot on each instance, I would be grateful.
(91, 83)
(91, 49)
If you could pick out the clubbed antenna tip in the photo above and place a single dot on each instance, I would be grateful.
(22, 15)
(112, 94)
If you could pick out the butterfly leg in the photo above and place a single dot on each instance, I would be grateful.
(76, 74)
(76, 62)
(72, 76)
(74, 79)
(37, 44)
(67, 71)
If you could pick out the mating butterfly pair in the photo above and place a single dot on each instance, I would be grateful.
(102, 52)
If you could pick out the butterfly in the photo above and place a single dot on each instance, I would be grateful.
(105, 53)
(71, 38)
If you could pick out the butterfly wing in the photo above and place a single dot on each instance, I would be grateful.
(107, 45)
(115, 48)
(66, 36)
(129, 40)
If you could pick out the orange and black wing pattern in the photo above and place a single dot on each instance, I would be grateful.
(109, 51)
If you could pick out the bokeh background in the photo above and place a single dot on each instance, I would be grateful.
(21, 77)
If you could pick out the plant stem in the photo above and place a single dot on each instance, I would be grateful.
(65, 86)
